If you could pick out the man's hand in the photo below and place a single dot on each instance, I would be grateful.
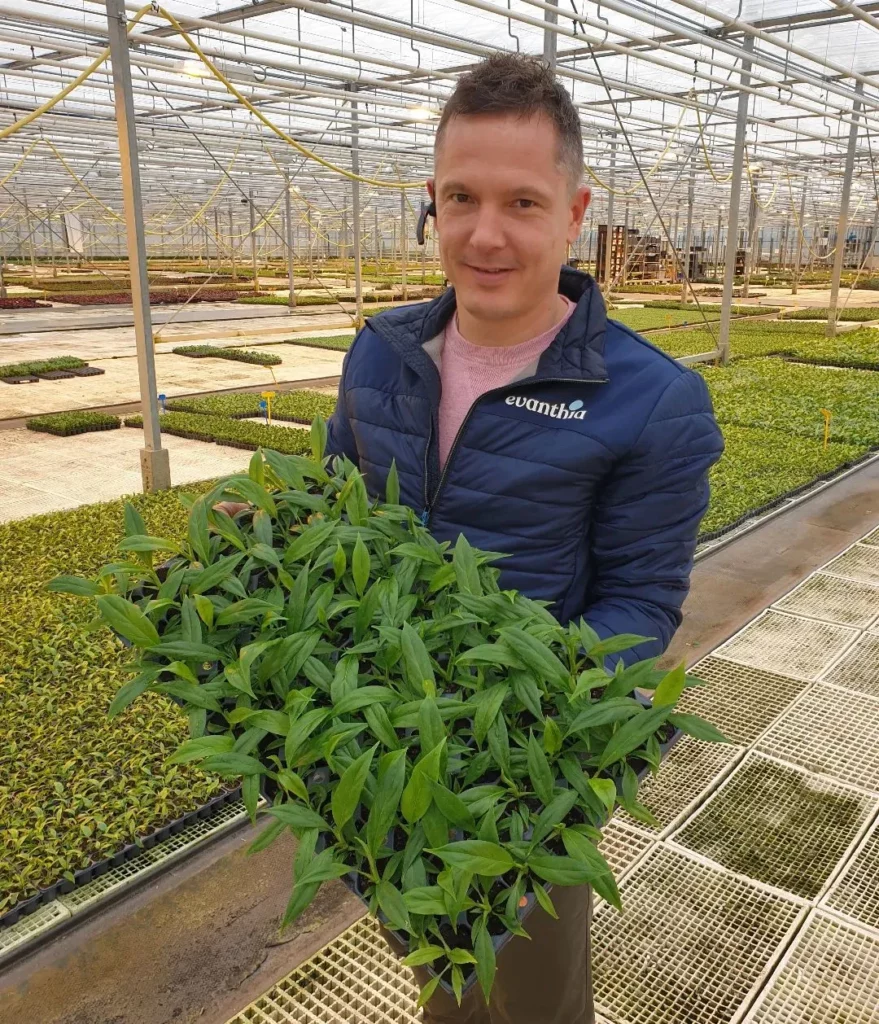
(231, 508)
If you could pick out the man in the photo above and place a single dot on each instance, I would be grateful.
(520, 416)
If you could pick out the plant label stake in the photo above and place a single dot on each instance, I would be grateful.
(268, 396)
(162, 402)
(828, 416)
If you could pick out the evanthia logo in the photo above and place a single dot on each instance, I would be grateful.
(558, 411)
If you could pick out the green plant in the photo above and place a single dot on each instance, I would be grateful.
(66, 423)
(790, 397)
(711, 307)
(856, 314)
(41, 366)
(236, 433)
(449, 747)
(338, 342)
(296, 406)
(76, 787)
(239, 355)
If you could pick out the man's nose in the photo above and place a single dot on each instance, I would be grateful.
(488, 229)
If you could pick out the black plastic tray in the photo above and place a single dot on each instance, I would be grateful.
(128, 852)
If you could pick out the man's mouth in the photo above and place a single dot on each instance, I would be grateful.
(490, 271)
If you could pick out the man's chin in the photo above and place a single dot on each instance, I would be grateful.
(487, 307)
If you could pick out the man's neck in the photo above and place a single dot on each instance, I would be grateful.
(501, 333)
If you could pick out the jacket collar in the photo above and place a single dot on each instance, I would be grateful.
(577, 352)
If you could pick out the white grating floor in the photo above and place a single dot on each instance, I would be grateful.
(860, 562)
(856, 892)
(622, 846)
(690, 770)
(832, 732)
(690, 945)
(833, 599)
(741, 701)
(355, 978)
(789, 645)
(30, 927)
(830, 976)
(858, 669)
(779, 825)
(871, 538)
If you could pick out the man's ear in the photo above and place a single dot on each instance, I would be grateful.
(431, 189)
(579, 205)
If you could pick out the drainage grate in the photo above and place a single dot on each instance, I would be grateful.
(29, 926)
(832, 732)
(788, 645)
(778, 825)
(833, 599)
(354, 978)
(856, 893)
(858, 669)
(156, 858)
(829, 976)
(741, 701)
(690, 946)
(687, 772)
(860, 562)
(622, 846)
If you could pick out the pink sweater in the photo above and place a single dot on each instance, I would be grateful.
(468, 371)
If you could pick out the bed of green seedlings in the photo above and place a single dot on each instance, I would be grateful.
(237, 433)
(855, 314)
(338, 342)
(760, 465)
(239, 355)
(74, 788)
(789, 397)
(41, 366)
(64, 424)
(712, 307)
(296, 406)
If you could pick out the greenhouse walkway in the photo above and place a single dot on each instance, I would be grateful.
(757, 900)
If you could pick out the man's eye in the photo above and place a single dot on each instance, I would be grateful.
(459, 197)
(525, 204)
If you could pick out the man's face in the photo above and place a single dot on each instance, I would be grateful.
(506, 212)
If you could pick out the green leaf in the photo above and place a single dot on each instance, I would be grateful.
(360, 566)
(195, 750)
(457, 982)
(698, 727)
(615, 644)
(536, 657)
(199, 538)
(127, 620)
(266, 837)
(476, 856)
(340, 561)
(247, 610)
(386, 803)
(418, 794)
(213, 575)
(186, 651)
(346, 795)
(559, 870)
(528, 692)
(256, 469)
(623, 683)
(392, 485)
(318, 438)
(486, 960)
(311, 538)
(633, 734)
(488, 704)
(205, 609)
(606, 792)
(452, 807)
(599, 876)
(252, 492)
(131, 691)
(390, 900)
(362, 697)
(466, 569)
(427, 992)
(426, 900)
(606, 712)
(145, 543)
(295, 816)
(250, 786)
(672, 686)
(73, 585)
(416, 660)
(134, 524)
(489, 654)
(553, 814)
(275, 722)
(300, 900)
(424, 955)
(539, 771)
(190, 624)
(233, 765)
(544, 900)
(461, 956)
(552, 737)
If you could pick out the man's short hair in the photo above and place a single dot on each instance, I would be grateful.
(515, 83)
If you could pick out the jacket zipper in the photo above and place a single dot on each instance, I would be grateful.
(429, 505)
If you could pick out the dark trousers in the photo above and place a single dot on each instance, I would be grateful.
(546, 979)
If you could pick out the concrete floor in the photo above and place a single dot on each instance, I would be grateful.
(198, 943)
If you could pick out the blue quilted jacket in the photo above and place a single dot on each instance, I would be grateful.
(590, 473)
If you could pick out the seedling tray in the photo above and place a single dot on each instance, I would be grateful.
(127, 853)
(855, 893)
(87, 371)
(27, 378)
(858, 669)
(56, 375)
